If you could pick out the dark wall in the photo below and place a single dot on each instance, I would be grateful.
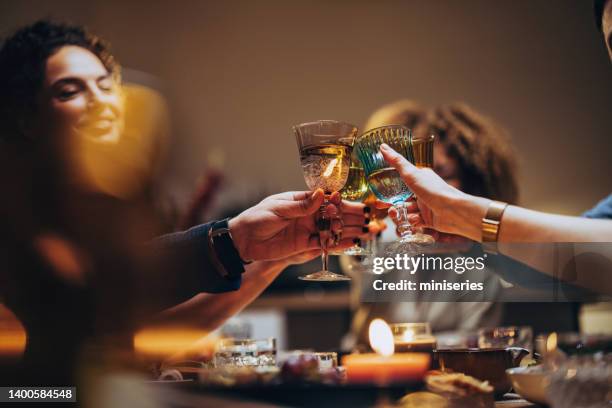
(238, 74)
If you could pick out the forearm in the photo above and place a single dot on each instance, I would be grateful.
(529, 237)
(209, 311)
(522, 225)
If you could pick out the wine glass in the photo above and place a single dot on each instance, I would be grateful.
(386, 183)
(423, 153)
(355, 189)
(325, 155)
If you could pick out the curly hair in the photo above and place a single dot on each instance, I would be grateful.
(23, 58)
(486, 160)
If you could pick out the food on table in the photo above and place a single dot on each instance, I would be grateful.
(456, 384)
(233, 376)
(423, 399)
(300, 367)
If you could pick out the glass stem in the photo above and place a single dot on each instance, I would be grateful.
(403, 228)
(324, 224)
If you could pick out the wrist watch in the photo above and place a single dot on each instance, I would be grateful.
(490, 226)
(223, 252)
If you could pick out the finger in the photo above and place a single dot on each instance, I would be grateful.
(416, 220)
(393, 213)
(309, 204)
(335, 198)
(359, 232)
(408, 172)
(381, 205)
(350, 207)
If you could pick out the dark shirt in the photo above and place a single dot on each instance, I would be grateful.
(603, 209)
(190, 252)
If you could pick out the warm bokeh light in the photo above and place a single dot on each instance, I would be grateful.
(408, 335)
(381, 338)
(551, 342)
(172, 342)
(12, 335)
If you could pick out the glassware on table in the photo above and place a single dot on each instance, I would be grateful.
(235, 353)
(266, 352)
(386, 183)
(413, 337)
(502, 337)
(355, 189)
(327, 359)
(325, 155)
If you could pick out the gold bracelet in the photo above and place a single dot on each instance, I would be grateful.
(490, 225)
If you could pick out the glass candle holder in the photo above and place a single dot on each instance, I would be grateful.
(236, 353)
(266, 352)
(413, 337)
(327, 360)
(502, 337)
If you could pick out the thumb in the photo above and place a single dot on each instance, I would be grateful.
(303, 207)
(407, 170)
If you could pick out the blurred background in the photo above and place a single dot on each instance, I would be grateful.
(238, 74)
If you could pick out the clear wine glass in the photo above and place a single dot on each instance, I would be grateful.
(325, 155)
(386, 183)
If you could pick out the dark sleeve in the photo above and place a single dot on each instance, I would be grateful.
(603, 209)
(187, 254)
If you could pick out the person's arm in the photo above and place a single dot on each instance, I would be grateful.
(209, 311)
(279, 231)
(448, 210)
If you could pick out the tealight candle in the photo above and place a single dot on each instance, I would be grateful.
(384, 367)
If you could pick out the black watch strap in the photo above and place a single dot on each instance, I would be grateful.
(223, 251)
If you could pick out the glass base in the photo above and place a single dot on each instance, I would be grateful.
(357, 251)
(324, 276)
(412, 244)
(418, 239)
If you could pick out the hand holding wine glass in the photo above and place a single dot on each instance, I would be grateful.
(285, 225)
(386, 183)
(325, 155)
(438, 205)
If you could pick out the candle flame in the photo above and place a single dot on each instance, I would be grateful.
(408, 335)
(381, 337)
(330, 168)
(551, 342)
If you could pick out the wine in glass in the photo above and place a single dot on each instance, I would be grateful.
(325, 155)
(355, 189)
(386, 183)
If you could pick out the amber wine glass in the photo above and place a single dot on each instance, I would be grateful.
(423, 153)
(325, 155)
(355, 189)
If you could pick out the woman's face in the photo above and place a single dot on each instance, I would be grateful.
(446, 166)
(80, 97)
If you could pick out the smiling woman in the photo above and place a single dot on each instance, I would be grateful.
(83, 97)
(61, 92)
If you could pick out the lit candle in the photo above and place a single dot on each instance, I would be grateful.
(413, 337)
(384, 367)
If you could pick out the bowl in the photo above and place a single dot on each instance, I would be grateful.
(530, 383)
(488, 364)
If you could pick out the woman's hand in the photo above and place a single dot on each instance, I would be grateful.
(439, 205)
(284, 225)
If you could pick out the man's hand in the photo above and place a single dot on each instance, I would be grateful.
(284, 225)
